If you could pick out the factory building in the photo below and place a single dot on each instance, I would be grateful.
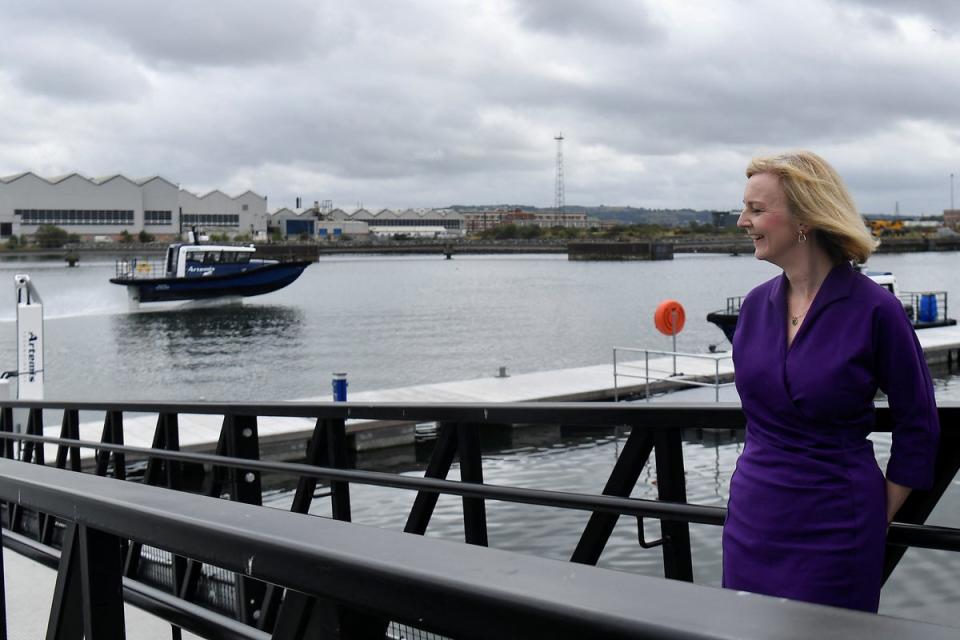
(336, 223)
(485, 219)
(412, 222)
(293, 224)
(108, 206)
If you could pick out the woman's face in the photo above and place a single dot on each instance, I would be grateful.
(767, 220)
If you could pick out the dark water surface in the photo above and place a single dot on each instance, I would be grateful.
(387, 321)
(402, 321)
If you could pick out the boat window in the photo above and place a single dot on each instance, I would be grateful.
(211, 257)
(243, 258)
(229, 257)
(889, 287)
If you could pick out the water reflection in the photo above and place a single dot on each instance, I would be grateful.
(207, 353)
(203, 325)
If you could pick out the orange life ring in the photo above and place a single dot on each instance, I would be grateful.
(669, 317)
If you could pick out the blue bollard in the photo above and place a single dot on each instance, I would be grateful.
(339, 387)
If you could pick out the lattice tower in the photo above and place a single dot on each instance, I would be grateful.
(558, 200)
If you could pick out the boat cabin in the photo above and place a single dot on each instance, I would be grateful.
(199, 260)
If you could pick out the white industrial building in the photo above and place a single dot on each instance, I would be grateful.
(412, 222)
(337, 223)
(108, 206)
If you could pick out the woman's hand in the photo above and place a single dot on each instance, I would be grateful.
(896, 495)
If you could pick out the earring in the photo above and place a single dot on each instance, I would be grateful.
(802, 238)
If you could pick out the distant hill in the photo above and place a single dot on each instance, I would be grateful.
(627, 215)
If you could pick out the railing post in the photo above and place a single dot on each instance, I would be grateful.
(616, 393)
(112, 434)
(88, 596)
(242, 441)
(646, 384)
(672, 487)
(636, 451)
(716, 379)
(298, 612)
(69, 430)
(6, 426)
(437, 467)
(159, 472)
(66, 610)
(101, 575)
(471, 470)
(336, 432)
(33, 451)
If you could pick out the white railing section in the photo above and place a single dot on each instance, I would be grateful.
(648, 370)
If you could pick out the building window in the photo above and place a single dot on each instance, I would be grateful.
(212, 219)
(6, 229)
(158, 217)
(244, 207)
(74, 216)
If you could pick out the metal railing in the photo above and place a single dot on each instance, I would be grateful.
(140, 268)
(196, 540)
(351, 580)
(673, 376)
(925, 307)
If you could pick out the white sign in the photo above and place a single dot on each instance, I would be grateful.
(29, 340)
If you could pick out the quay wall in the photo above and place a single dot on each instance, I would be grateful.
(311, 251)
(620, 251)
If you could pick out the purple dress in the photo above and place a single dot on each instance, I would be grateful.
(806, 517)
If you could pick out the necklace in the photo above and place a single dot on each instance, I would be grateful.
(795, 319)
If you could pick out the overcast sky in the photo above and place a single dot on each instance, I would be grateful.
(397, 103)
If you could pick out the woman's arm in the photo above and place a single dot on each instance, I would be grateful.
(896, 495)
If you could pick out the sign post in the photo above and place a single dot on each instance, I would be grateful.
(29, 339)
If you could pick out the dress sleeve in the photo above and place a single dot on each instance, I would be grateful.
(902, 374)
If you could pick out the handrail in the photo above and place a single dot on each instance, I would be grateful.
(540, 497)
(673, 376)
(235, 469)
(929, 537)
(435, 584)
(663, 415)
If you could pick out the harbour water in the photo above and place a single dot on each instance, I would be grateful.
(387, 322)
(401, 321)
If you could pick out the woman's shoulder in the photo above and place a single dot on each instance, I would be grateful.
(875, 296)
(763, 290)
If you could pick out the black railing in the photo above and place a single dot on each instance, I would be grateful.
(176, 582)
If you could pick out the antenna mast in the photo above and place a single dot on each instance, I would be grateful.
(558, 201)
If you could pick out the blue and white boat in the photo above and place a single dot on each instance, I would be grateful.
(203, 272)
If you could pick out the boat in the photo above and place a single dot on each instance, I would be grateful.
(194, 271)
(925, 309)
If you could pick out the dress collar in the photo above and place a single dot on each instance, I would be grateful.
(835, 286)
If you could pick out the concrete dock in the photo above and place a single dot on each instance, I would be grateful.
(285, 438)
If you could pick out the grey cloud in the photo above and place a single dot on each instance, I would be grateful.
(88, 75)
(939, 12)
(614, 20)
(182, 32)
(423, 103)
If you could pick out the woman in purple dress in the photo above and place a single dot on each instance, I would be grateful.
(809, 506)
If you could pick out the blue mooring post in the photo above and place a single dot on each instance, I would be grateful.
(339, 387)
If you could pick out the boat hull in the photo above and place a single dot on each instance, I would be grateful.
(253, 282)
(728, 322)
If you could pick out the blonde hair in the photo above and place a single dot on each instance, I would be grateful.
(817, 196)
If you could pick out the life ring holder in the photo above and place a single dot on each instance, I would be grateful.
(669, 319)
